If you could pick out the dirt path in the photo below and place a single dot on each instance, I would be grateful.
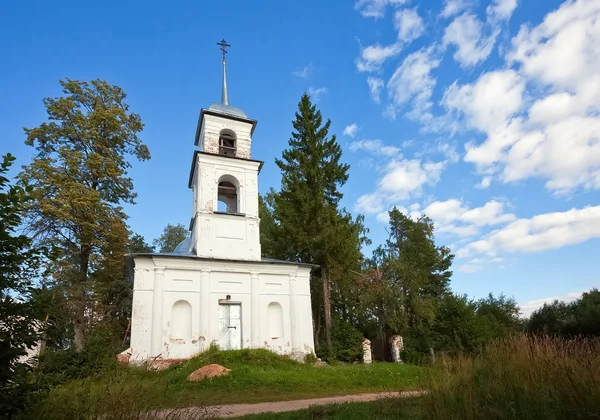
(234, 410)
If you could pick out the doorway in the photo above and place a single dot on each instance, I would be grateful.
(230, 326)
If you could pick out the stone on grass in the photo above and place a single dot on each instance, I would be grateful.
(208, 371)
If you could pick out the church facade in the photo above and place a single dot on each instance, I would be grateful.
(215, 287)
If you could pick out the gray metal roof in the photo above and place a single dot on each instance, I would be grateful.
(184, 247)
(227, 110)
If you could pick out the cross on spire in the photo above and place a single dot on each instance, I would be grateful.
(223, 44)
(224, 94)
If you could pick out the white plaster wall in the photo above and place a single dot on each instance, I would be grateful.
(160, 281)
(225, 235)
(211, 128)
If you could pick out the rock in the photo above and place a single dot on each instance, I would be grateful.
(162, 364)
(124, 356)
(208, 371)
(319, 363)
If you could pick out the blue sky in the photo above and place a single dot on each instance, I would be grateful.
(482, 114)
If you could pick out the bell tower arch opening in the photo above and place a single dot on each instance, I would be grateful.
(227, 143)
(228, 195)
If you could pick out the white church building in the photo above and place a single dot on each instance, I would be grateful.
(215, 287)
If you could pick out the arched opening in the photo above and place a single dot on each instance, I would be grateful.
(275, 320)
(228, 197)
(181, 320)
(227, 143)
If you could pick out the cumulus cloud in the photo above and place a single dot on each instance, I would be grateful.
(485, 183)
(376, 147)
(402, 179)
(472, 46)
(501, 9)
(540, 233)
(412, 83)
(375, 86)
(409, 24)
(375, 8)
(372, 57)
(351, 130)
(316, 93)
(552, 132)
(455, 217)
(454, 7)
(527, 308)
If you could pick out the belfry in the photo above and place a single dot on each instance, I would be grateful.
(215, 287)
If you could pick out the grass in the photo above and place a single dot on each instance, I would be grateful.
(256, 376)
(520, 378)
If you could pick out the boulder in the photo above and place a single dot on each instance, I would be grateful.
(208, 371)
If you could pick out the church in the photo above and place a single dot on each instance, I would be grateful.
(215, 287)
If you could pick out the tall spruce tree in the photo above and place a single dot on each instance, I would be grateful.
(310, 226)
(79, 179)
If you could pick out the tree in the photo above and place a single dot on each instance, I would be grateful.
(20, 264)
(309, 226)
(171, 237)
(412, 276)
(80, 181)
(268, 227)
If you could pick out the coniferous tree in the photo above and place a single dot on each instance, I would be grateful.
(310, 226)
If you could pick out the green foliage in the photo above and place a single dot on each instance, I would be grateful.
(20, 265)
(347, 341)
(268, 227)
(581, 317)
(310, 358)
(171, 237)
(80, 182)
(96, 357)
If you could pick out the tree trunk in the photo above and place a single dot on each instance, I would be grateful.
(327, 307)
(80, 310)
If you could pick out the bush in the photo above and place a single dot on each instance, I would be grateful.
(98, 355)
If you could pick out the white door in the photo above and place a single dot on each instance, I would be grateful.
(230, 326)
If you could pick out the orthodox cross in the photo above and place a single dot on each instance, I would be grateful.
(223, 44)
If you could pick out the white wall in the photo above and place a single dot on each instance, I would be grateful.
(225, 235)
(162, 281)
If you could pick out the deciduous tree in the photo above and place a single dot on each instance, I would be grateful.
(171, 237)
(80, 181)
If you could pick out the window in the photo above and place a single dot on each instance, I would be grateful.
(228, 201)
(227, 143)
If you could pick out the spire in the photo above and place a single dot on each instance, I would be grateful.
(224, 96)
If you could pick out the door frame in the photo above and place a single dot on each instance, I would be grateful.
(239, 303)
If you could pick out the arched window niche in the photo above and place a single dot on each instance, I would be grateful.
(228, 196)
(227, 143)
(275, 320)
(181, 321)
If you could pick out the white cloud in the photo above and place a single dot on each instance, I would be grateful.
(351, 130)
(490, 101)
(540, 233)
(469, 268)
(409, 24)
(375, 86)
(485, 183)
(466, 33)
(449, 151)
(372, 57)
(501, 9)
(412, 83)
(455, 217)
(375, 8)
(316, 93)
(454, 7)
(303, 72)
(527, 308)
(402, 179)
(552, 131)
(375, 147)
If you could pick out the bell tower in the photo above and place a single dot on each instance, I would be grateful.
(224, 182)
